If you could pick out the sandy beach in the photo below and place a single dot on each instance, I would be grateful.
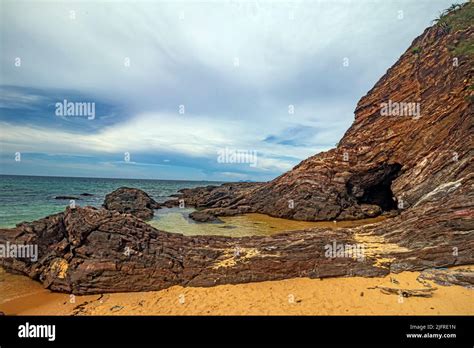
(301, 296)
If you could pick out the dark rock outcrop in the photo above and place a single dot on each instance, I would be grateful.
(447, 277)
(204, 216)
(66, 197)
(88, 250)
(132, 201)
(227, 200)
(212, 196)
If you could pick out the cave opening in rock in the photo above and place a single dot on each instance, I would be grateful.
(380, 194)
(374, 186)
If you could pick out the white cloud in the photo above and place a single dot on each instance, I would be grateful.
(88, 52)
(184, 135)
(183, 52)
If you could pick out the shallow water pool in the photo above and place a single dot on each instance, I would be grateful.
(177, 220)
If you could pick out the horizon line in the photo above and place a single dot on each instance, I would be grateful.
(96, 177)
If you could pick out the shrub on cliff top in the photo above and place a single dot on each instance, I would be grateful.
(459, 17)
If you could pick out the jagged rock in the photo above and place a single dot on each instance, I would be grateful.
(370, 210)
(214, 196)
(218, 200)
(447, 277)
(204, 216)
(88, 250)
(392, 161)
(434, 234)
(132, 201)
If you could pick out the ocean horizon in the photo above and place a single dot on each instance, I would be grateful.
(25, 198)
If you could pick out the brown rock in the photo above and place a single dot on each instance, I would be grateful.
(116, 252)
(225, 195)
(448, 277)
(204, 216)
(132, 201)
(392, 161)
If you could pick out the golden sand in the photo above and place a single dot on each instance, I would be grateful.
(301, 296)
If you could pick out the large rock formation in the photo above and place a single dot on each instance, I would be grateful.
(86, 250)
(421, 165)
(211, 196)
(388, 158)
(132, 201)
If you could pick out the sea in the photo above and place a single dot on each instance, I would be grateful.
(29, 198)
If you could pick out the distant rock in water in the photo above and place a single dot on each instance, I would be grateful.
(86, 194)
(66, 197)
(132, 201)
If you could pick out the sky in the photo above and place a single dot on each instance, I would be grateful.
(174, 84)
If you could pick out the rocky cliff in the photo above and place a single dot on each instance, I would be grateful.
(411, 138)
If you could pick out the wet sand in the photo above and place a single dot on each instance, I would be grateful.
(20, 295)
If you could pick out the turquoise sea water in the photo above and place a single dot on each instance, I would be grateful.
(28, 198)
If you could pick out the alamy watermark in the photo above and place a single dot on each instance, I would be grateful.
(20, 251)
(76, 109)
(227, 155)
(392, 108)
(344, 250)
(28, 330)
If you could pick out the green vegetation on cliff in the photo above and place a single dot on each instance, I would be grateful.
(459, 17)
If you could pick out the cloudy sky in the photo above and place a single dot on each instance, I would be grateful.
(174, 83)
